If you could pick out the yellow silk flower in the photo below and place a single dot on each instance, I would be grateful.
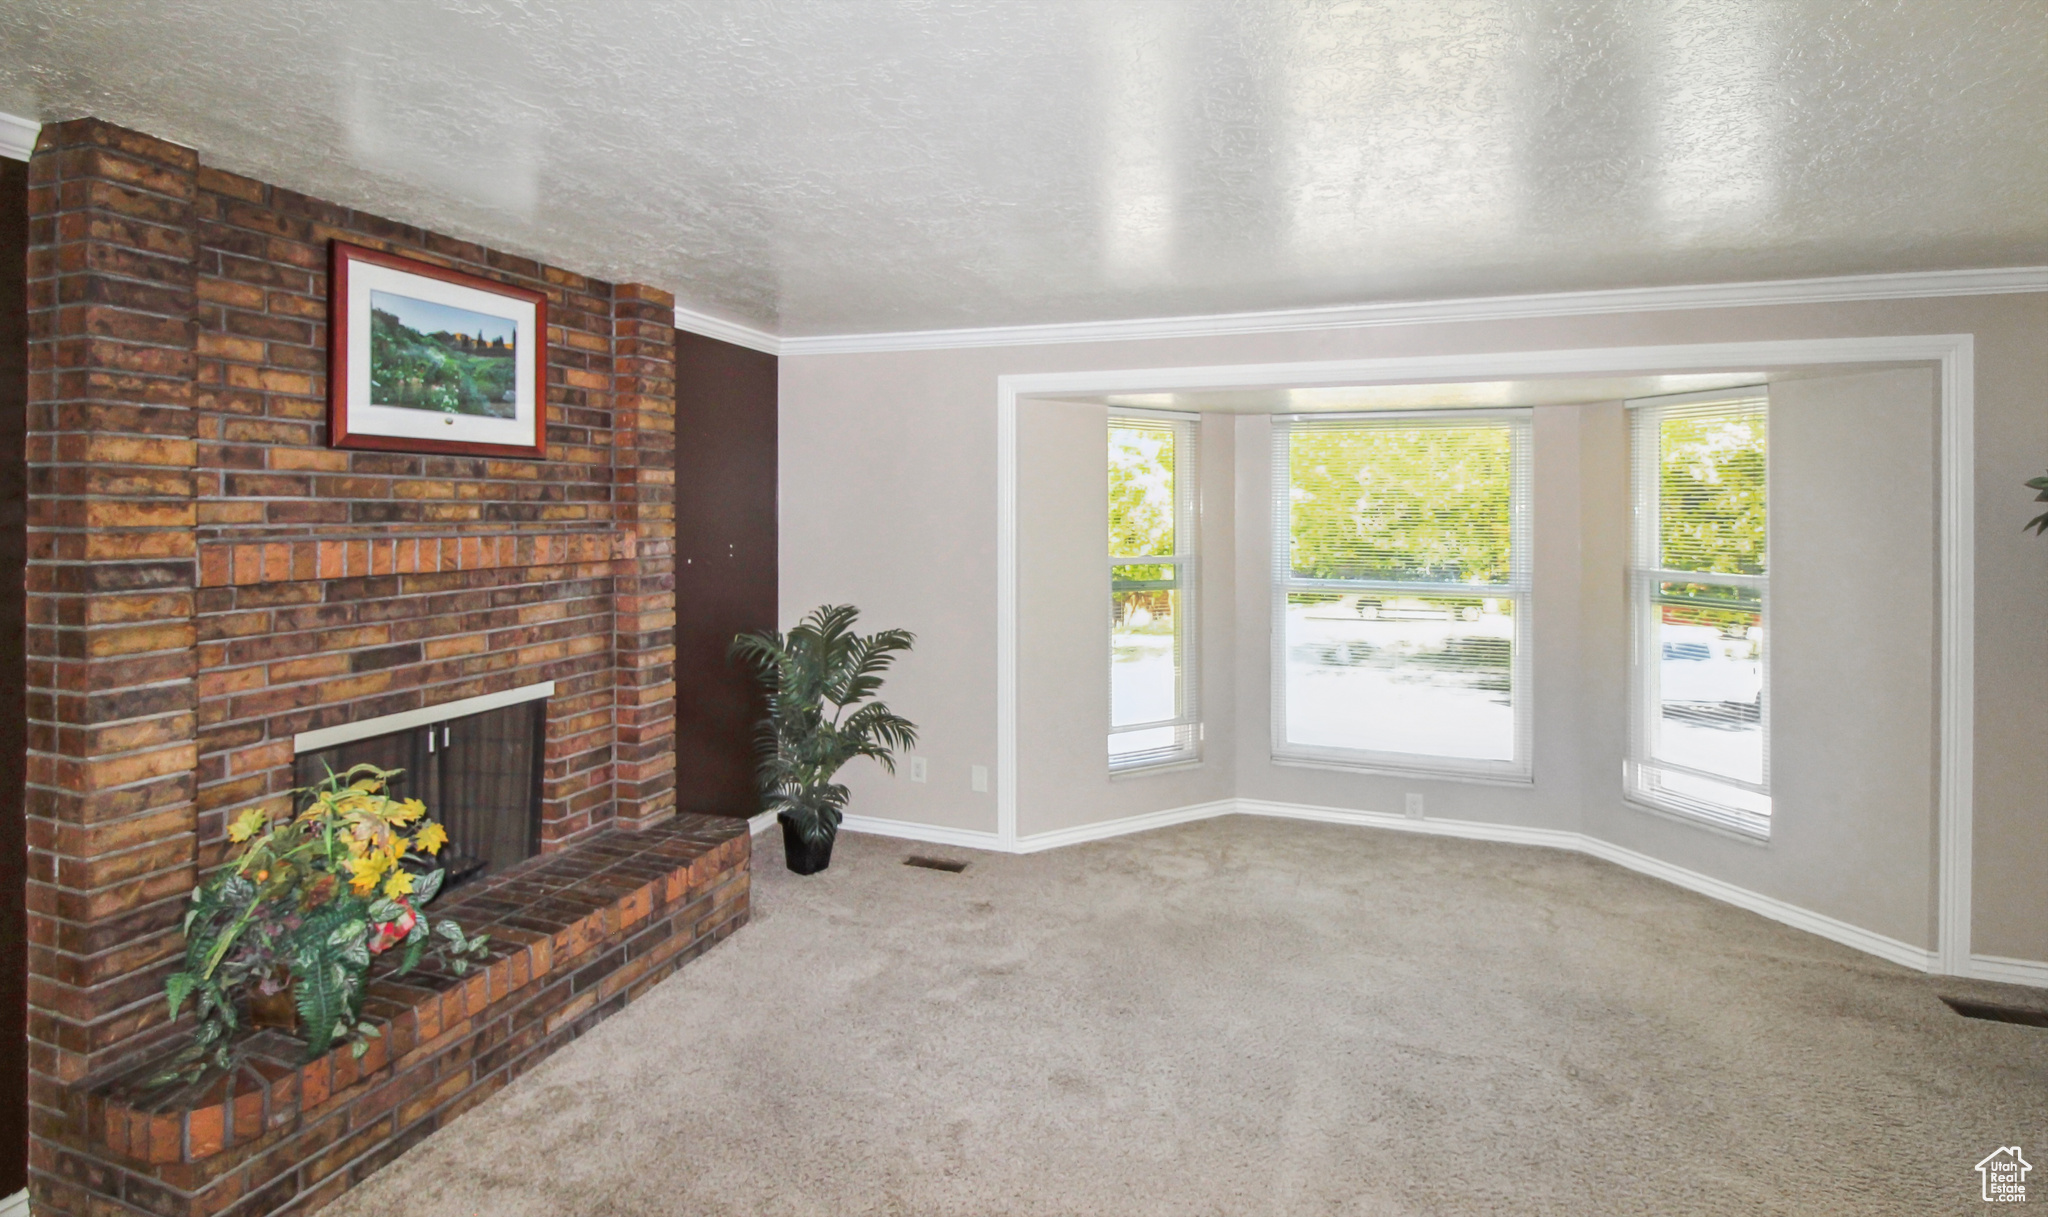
(431, 838)
(247, 825)
(364, 873)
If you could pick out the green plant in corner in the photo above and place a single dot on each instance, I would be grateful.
(303, 907)
(822, 677)
(2040, 522)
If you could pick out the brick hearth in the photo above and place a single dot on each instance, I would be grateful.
(207, 579)
(579, 935)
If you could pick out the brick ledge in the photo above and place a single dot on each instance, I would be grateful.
(544, 917)
(242, 563)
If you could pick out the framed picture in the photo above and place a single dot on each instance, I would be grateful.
(423, 359)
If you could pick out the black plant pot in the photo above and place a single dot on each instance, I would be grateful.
(803, 857)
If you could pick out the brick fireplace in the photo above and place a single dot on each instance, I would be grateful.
(207, 579)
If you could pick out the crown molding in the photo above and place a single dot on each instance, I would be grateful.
(727, 331)
(17, 136)
(1902, 286)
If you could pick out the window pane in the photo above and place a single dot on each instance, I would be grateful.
(1425, 502)
(1156, 740)
(1700, 699)
(1152, 536)
(1710, 475)
(1709, 681)
(1709, 798)
(1430, 675)
(1141, 490)
(1144, 648)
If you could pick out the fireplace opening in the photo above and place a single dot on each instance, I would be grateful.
(479, 775)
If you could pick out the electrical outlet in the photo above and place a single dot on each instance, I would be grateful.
(1414, 806)
(978, 779)
(920, 769)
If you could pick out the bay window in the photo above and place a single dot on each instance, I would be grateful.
(1699, 739)
(1153, 708)
(1402, 592)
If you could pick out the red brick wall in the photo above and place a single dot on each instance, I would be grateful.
(283, 656)
(207, 578)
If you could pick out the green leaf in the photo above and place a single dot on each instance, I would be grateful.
(177, 987)
(426, 887)
(319, 997)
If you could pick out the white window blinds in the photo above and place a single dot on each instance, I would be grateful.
(1401, 592)
(1699, 590)
(1154, 715)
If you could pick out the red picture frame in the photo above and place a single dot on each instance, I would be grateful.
(442, 389)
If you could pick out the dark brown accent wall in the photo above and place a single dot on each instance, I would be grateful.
(725, 564)
(13, 676)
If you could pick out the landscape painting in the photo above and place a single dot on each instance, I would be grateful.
(427, 356)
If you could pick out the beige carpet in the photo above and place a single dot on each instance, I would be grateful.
(1250, 1016)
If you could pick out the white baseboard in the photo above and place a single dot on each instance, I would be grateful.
(1922, 959)
(1904, 954)
(1471, 830)
(756, 824)
(933, 834)
(15, 1205)
(2011, 971)
(1116, 828)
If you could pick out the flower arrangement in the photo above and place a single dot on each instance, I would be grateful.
(304, 907)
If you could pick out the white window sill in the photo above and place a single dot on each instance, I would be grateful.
(1381, 769)
(1760, 837)
(1155, 768)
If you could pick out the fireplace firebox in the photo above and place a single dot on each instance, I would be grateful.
(479, 774)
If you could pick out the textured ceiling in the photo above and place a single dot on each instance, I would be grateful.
(831, 166)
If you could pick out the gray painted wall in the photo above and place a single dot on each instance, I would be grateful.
(889, 500)
(1063, 638)
(1853, 645)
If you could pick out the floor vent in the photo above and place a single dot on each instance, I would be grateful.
(945, 864)
(2022, 1015)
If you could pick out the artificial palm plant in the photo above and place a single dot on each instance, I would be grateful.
(822, 677)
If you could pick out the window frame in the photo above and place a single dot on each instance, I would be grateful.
(1185, 559)
(1520, 589)
(1641, 772)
